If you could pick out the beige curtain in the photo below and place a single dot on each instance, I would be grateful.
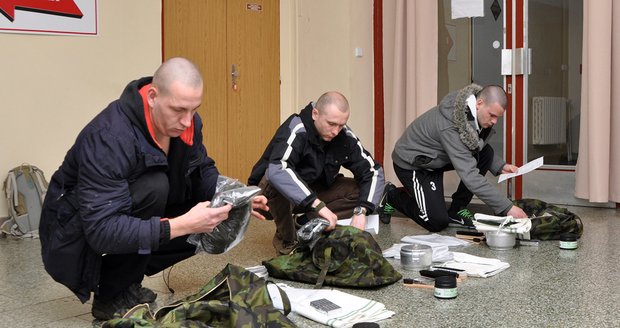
(598, 165)
(410, 67)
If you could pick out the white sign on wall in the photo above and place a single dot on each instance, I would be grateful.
(67, 17)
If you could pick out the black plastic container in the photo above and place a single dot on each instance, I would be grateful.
(445, 287)
(569, 241)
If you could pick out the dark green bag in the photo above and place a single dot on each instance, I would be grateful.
(549, 221)
(346, 257)
(233, 298)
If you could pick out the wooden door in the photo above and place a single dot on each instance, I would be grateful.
(239, 118)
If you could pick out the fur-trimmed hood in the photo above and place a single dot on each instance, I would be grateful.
(456, 110)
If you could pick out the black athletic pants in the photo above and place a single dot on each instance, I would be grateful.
(422, 198)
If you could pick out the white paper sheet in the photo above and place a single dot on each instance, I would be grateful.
(476, 266)
(467, 8)
(531, 166)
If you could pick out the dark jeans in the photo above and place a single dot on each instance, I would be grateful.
(149, 195)
(422, 198)
(341, 198)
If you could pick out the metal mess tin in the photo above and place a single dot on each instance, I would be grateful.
(416, 256)
(499, 240)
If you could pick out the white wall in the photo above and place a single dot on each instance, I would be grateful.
(319, 57)
(51, 86)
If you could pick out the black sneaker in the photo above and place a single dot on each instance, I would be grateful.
(462, 219)
(105, 309)
(385, 210)
(135, 294)
(142, 294)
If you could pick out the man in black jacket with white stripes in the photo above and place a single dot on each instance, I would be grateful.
(299, 172)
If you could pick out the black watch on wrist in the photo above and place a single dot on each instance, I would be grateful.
(359, 211)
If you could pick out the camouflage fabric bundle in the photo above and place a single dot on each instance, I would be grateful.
(346, 257)
(549, 221)
(233, 298)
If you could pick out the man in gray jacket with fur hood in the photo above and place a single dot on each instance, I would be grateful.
(451, 136)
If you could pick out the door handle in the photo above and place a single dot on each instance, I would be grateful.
(519, 60)
(234, 74)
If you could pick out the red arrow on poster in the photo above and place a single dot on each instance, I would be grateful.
(52, 7)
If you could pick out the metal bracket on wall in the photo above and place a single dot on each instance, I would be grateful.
(517, 60)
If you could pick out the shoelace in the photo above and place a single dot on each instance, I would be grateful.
(465, 213)
(388, 209)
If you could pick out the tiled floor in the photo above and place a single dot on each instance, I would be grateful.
(544, 287)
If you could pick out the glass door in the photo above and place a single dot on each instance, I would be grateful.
(551, 97)
(470, 52)
(542, 76)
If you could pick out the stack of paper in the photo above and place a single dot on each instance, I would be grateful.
(475, 266)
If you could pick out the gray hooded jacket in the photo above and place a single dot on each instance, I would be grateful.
(446, 134)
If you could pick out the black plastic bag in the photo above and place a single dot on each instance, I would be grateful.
(230, 232)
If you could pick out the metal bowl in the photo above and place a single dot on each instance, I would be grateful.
(499, 240)
(416, 256)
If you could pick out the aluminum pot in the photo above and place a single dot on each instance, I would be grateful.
(416, 256)
(499, 240)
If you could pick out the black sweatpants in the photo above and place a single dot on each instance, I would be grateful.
(118, 271)
(422, 198)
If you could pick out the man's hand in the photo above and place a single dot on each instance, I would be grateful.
(328, 215)
(359, 221)
(517, 213)
(509, 168)
(198, 219)
(259, 203)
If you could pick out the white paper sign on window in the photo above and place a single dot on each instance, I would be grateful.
(467, 8)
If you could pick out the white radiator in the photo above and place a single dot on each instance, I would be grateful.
(548, 120)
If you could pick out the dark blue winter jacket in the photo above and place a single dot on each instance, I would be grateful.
(87, 207)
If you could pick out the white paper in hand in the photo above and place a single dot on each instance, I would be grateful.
(531, 166)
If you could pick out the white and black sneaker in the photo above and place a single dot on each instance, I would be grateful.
(462, 219)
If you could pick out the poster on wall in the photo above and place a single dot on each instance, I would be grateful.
(64, 17)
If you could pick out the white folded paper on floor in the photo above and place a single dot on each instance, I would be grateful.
(486, 223)
(440, 253)
(353, 308)
(372, 223)
(435, 240)
(476, 266)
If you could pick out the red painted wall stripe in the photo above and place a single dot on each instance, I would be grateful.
(377, 28)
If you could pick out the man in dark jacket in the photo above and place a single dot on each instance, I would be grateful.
(132, 188)
(299, 171)
(453, 135)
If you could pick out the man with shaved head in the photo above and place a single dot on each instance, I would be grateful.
(136, 183)
(299, 171)
(453, 135)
